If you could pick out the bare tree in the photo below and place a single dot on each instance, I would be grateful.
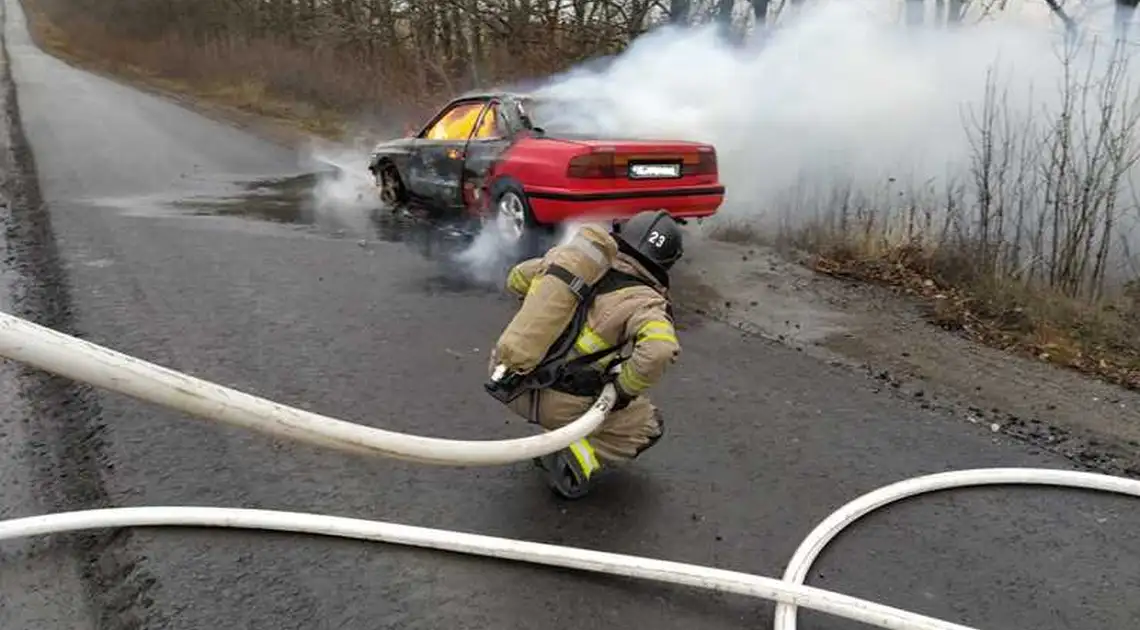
(760, 11)
(1125, 9)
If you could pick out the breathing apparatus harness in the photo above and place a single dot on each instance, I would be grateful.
(574, 376)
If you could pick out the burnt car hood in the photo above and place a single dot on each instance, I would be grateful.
(395, 143)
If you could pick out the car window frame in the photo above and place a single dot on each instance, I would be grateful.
(481, 103)
(494, 107)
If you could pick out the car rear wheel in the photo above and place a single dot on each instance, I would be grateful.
(511, 216)
(515, 222)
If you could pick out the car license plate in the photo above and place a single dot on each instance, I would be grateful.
(654, 171)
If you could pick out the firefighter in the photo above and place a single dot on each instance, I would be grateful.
(630, 317)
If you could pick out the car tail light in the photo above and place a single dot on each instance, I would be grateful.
(594, 165)
(706, 163)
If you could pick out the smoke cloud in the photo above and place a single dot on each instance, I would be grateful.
(842, 92)
(344, 194)
(841, 95)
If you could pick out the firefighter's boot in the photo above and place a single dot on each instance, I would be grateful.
(569, 472)
(660, 419)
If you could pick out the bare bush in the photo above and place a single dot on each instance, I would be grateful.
(1050, 189)
(1027, 247)
(359, 57)
(1044, 196)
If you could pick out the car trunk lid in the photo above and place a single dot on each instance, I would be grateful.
(645, 163)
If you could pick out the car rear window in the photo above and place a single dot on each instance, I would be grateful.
(568, 116)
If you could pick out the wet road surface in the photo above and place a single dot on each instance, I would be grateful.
(763, 441)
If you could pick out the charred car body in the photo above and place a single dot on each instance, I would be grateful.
(482, 158)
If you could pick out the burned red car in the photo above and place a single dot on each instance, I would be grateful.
(487, 157)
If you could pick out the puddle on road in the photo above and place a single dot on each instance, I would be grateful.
(284, 200)
(293, 200)
(300, 201)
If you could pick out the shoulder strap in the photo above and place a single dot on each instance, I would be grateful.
(615, 280)
(612, 280)
(572, 280)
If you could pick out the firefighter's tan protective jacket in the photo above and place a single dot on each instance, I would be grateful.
(634, 314)
(637, 317)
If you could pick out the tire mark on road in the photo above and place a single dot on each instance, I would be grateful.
(65, 426)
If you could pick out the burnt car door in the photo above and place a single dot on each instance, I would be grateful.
(435, 171)
(492, 136)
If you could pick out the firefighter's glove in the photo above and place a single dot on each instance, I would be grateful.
(504, 385)
(623, 399)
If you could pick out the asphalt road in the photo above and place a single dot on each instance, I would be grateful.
(763, 441)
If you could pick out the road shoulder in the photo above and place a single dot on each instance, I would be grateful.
(887, 336)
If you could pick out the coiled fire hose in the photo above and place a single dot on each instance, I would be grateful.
(80, 360)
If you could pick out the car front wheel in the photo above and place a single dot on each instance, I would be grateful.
(389, 185)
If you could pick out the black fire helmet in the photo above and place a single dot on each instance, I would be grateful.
(654, 235)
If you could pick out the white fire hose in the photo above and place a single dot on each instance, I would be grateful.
(102, 367)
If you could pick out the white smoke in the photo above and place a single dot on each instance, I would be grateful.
(842, 92)
(839, 94)
(488, 258)
(344, 194)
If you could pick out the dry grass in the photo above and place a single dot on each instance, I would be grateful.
(1098, 338)
(323, 71)
(317, 93)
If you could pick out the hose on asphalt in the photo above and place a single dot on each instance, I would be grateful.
(83, 361)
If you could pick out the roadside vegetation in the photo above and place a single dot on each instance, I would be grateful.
(1029, 248)
(1026, 249)
(324, 63)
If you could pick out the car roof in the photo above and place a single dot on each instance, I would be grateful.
(488, 94)
(530, 98)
